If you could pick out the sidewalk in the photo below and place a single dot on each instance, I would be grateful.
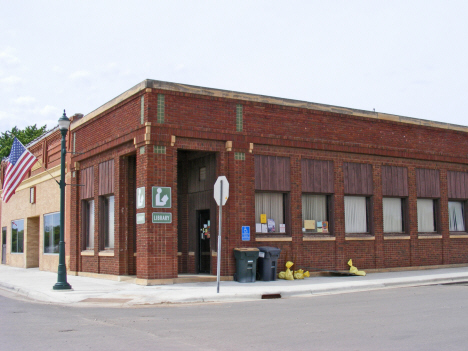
(37, 285)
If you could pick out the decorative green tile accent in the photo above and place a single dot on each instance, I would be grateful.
(239, 156)
(142, 109)
(159, 149)
(239, 118)
(142, 150)
(161, 108)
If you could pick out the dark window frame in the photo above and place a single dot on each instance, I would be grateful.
(85, 223)
(286, 211)
(54, 238)
(19, 249)
(465, 214)
(330, 211)
(404, 216)
(369, 215)
(104, 222)
(436, 215)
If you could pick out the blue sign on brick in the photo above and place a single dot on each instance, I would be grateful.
(245, 233)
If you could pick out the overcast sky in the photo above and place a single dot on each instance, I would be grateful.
(408, 58)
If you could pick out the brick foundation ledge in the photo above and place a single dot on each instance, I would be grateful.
(182, 279)
(189, 278)
(415, 268)
(118, 278)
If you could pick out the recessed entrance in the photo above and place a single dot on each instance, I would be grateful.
(196, 175)
(204, 234)
(32, 242)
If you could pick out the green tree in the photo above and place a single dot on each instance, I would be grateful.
(25, 135)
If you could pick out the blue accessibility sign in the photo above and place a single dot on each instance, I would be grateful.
(245, 233)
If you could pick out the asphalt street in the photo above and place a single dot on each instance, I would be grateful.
(414, 318)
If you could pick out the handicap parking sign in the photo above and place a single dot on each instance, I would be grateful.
(245, 233)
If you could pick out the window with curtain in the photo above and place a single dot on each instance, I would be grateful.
(426, 216)
(355, 214)
(393, 215)
(51, 232)
(107, 221)
(88, 224)
(456, 211)
(314, 208)
(271, 204)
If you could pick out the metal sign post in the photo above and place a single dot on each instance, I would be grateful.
(221, 194)
(218, 266)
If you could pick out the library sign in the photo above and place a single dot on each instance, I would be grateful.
(162, 217)
(161, 198)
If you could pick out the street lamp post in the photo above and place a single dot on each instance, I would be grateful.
(62, 283)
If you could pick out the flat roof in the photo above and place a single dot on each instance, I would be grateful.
(192, 89)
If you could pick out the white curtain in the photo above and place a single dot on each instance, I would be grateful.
(110, 234)
(270, 204)
(456, 216)
(355, 214)
(314, 207)
(426, 216)
(91, 225)
(392, 219)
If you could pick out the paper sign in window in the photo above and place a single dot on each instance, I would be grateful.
(325, 226)
(263, 218)
(271, 226)
(309, 224)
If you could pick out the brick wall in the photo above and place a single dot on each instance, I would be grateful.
(204, 123)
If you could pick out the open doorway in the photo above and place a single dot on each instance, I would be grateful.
(204, 247)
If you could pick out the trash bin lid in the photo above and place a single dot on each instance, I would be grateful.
(245, 249)
(270, 251)
(273, 250)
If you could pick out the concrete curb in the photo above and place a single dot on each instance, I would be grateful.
(37, 286)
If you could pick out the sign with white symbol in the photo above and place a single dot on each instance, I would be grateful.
(140, 218)
(140, 197)
(245, 233)
(217, 190)
(162, 217)
(161, 197)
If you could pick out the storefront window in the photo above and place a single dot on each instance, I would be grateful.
(17, 236)
(269, 212)
(51, 232)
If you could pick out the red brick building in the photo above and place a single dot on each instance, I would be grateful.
(325, 184)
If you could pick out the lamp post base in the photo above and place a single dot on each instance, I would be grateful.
(62, 286)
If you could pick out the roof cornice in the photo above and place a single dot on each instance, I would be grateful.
(197, 90)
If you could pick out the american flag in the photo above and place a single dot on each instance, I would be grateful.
(19, 163)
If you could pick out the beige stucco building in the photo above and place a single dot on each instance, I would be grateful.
(30, 220)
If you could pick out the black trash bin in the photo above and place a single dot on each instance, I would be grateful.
(246, 264)
(268, 262)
